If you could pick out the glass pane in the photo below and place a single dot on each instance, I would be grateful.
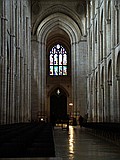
(55, 59)
(60, 59)
(60, 70)
(58, 46)
(51, 59)
(54, 50)
(64, 59)
(51, 70)
(55, 70)
(64, 70)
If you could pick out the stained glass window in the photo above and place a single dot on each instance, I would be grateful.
(58, 61)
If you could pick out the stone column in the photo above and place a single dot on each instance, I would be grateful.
(73, 67)
(89, 63)
(18, 34)
(0, 35)
(104, 86)
(39, 77)
(77, 79)
(81, 63)
(4, 62)
(93, 39)
(43, 77)
(26, 67)
(116, 23)
(29, 69)
(98, 93)
(108, 35)
(35, 77)
(114, 82)
(94, 95)
(22, 65)
(118, 97)
(119, 19)
(12, 64)
(104, 29)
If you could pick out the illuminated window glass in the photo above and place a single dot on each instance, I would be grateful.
(58, 61)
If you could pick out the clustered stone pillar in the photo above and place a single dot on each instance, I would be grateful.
(15, 65)
(114, 81)
(79, 81)
(4, 63)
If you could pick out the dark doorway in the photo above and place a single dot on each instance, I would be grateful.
(58, 105)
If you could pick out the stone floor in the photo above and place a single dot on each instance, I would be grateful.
(77, 144)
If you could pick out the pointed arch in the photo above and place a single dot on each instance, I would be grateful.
(58, 87)
(58, 20)
(56, 9)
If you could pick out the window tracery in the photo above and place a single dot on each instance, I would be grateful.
(58, 61)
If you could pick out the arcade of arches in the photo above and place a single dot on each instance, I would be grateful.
(59, 57)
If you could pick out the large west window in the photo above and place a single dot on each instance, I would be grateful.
(58, 61)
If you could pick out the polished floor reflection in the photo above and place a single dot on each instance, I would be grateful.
(77, 144)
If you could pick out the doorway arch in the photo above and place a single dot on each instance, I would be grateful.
(58, 104)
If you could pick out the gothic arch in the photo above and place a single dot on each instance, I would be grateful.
(56, 21)
(55, 9)
(60, 87)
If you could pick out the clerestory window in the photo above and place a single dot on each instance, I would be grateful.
(58, 61)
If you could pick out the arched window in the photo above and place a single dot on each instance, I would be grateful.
(58, 61)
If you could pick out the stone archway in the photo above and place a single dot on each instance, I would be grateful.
(63, 27)
(59, 28)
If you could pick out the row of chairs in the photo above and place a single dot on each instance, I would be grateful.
(21, 140)
(108, 130)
